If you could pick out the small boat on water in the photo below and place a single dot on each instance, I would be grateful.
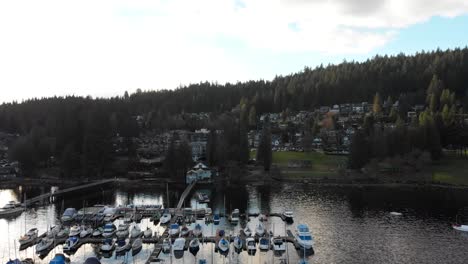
(262, 218)
(71, 243)
(29, 237)
(109, 230)
(223, 246)
(75, 230)
(203, 197)
(178, 247)
(148, 233)
(166, 246)
(174, 230)
(53, 231)
(238, 244)
(59, 259)
(63, 232)
(216, 219)
(86, 231)
(197, 231)
(279, 246)
(108, 245)
(260, 229)
(109, 214)
(92, 260)
(184, 231)
(122, 231)
(97, 232)
(247, 231)
(459, 227)
(396, 213)
(288, 216)
(136, 246)
(11, 205)
(123, 245)
(11, 208)
(264, 244)
(304, 237)
(234, 218)
(136, 232)
(44, 244)
(194, 246)
(165, 218)
(251, 245)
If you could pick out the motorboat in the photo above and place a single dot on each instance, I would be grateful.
(166, 245)
(123, 245)
(97, 232)
(122, 231)
(165, 218)
(459, 227)
(44, 244)
(203, 197)
(68, 215)
(75, 230)
(135, 232)
(194, 246)
(108, 245)
(223, 246)
(238, 244)
(136, 246)
(260, 229)
(92, 260)
(11, 211)
(216, 219)
(148, 233)
(262, 218)
(264, 244)
(11, 205)
(251, 245)
(178, 247)
(288, 216)
(109, 230)
(174, 230)
(184, 231)
(53, 231)
(59, 258)
(304, 237)
(63, 232)
(29, 237)
(127, 219)
(71, 243)
(109, 214)
(197, 231)
(86, 231)
(247, 231)
(279, 246)
(234, 218)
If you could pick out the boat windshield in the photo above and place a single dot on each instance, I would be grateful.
(306, 237)
(174, 226)
(303, 228)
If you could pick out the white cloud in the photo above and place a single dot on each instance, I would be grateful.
(105, 47)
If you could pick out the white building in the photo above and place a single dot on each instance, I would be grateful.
(199, 172)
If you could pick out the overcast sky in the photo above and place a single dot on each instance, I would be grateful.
(103, 48)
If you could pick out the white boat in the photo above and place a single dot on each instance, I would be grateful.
(166, 218)
(136, 246)
(304, 237)
(234, 218)
(44, 244)
(251, 245)
(174, 230)
(86, 231)
(63, 233)
(109, 230)
(75, 230)
(11, 205)
(136, 232)
(194, 246)
(179, 244)
(458, 227)
(29, 237)
(122, 231)
(260, 229)
(238, 243)
(109, 214)
(396, 213)
(53, 232)
(197, 231)
(97, 232)
(122, 246)
(148, 233)
(108, 245)
(247, 231)
(264, 244)
(223, 245)
(69, 214)
(278, 244)
(70, 243)
(288, 216)
(11, 208)
(166, 246)
(262, 217)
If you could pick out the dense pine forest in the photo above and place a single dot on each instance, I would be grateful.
(77, 130)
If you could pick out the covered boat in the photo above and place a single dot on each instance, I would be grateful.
(194, 246)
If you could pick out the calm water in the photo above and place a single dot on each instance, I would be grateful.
(350, 224)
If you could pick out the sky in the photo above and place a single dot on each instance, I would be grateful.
(104, 48)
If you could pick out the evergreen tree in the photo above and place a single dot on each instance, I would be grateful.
(264, 152)
(359, 151)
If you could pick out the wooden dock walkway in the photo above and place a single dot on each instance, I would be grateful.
(184, 195)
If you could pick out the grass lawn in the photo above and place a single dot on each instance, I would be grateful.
(451, 170)
(322, 165)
